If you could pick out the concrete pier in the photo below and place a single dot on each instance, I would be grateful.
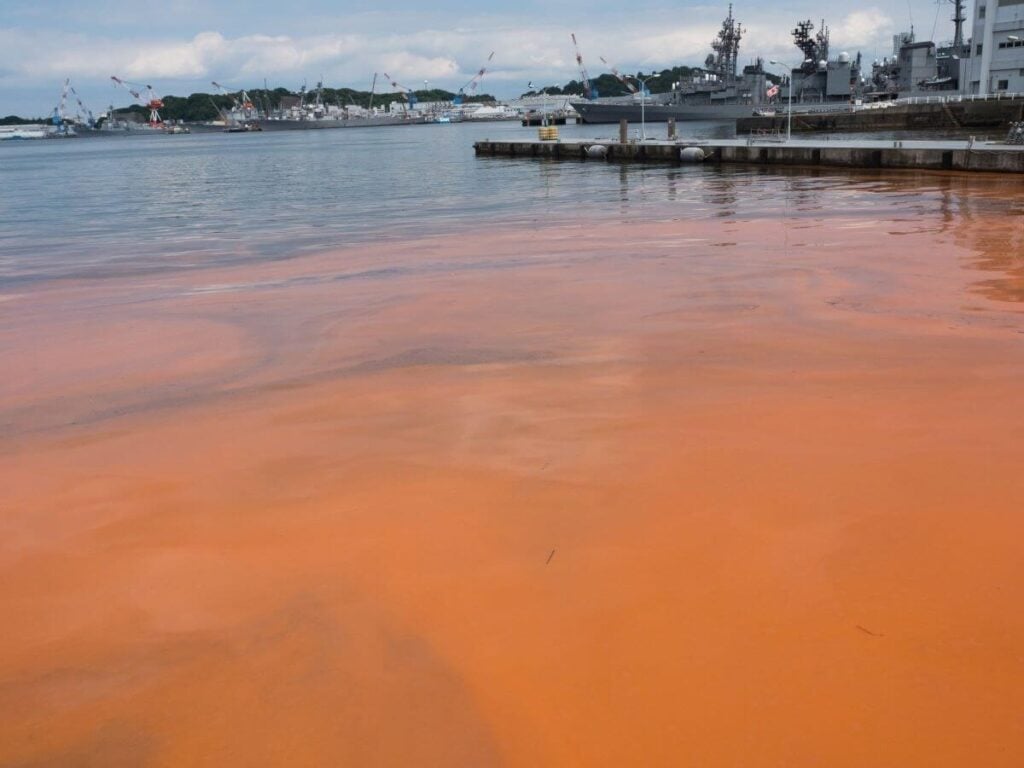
(923, 155)
(959, 114)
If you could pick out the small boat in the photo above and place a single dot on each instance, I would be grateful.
(243, 128)
(22, 132)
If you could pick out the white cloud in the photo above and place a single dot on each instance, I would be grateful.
(862, 28)
(525, 50)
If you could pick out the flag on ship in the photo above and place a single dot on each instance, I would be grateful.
(772, 92)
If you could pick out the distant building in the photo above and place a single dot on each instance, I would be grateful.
(996, 63)
(918, 65)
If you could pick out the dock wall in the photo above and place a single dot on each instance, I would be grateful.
(939, 157)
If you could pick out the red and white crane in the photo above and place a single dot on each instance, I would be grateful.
(621, 77)
(470, 87)
(239, 99)
(589, 92)
(83, 111)
(410, 96)
(150, 100)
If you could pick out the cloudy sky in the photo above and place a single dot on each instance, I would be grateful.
(181, 45)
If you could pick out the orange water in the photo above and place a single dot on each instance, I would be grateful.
(715, 493)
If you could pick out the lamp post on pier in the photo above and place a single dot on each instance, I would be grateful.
(643, 100)
(789, 98)
(543, 102)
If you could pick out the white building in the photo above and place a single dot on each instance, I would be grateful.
(996, 64)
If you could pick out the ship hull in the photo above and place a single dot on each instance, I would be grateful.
(327, 124)
(591, 112)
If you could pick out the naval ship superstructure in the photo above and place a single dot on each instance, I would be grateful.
(299, 114)
(718, 91)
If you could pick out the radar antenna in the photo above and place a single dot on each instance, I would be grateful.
(726, 47)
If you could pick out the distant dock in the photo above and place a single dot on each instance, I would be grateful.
(906, 155)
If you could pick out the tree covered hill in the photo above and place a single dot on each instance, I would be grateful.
(201, 107)
(609, 85)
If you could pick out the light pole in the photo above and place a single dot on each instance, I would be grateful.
(789, 107)
(543, 102)
(643, 99)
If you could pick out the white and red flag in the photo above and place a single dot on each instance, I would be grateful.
(772, 92)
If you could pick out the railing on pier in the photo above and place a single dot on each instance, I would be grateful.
(765, 134)
(951, 99)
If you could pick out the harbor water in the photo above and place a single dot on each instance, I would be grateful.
(351, 448)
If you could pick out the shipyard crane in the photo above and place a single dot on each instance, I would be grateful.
(240, 102)
(150, 100)
(60, 114)
(220, 112)
(83, 111)
(60, 111)
(83, 114)
(410, 96)
(470, 87)
(619, 76)
(589, 91)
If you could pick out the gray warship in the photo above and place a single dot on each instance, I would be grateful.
(720, 91)
(715, 92)
(295, 113)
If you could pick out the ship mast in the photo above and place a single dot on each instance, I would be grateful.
(814, 47)
(958, 24)
(727, 47)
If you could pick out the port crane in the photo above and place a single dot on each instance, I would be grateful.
(619, 76)
(410, 96)
(470, 87)
(589, 91)
(83, 111)
(240, 102)
(150, 100)
(60, 113)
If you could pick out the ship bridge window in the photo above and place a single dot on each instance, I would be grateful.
(1003, 85)
(981, 12)
(978, 51)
